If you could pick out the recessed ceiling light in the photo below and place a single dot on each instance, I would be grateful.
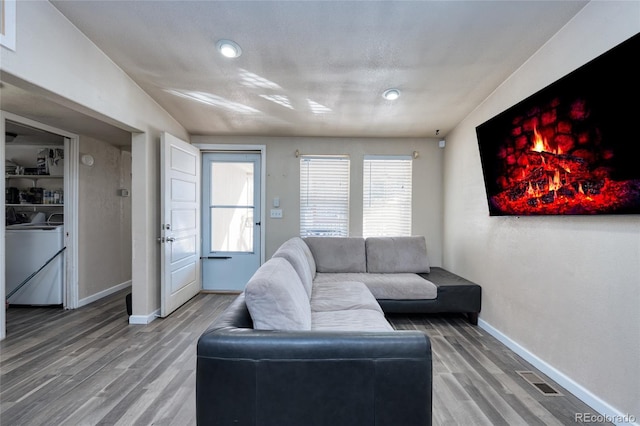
(391, 94)
(229, 48)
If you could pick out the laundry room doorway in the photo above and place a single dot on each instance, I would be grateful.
(39, 237)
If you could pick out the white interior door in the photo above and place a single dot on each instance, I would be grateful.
(180, 223)
(231, 246)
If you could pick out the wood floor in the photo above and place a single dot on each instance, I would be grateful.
(90, 367)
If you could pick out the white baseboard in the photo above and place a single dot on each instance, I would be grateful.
(144, 319)
(133, 319)
(609, 413)
(104, 293)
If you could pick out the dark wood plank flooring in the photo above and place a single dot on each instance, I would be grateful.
(90, 367)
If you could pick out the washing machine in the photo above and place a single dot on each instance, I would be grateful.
(28, 247)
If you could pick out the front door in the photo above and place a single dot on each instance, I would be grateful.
(230, 219)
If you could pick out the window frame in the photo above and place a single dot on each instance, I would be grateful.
(320, 217)
(403, 197)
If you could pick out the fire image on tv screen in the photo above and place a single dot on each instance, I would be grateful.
(571, 148)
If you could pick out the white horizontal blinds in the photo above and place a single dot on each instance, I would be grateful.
(324, 196)
(387, 196)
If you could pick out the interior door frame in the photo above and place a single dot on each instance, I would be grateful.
(71, 174)
(262, 150)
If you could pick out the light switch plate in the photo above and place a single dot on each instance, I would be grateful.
(276, 213)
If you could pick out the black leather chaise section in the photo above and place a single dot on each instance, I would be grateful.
(455, 294)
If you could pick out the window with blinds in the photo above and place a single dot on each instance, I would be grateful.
(324, 196)
(386, 196)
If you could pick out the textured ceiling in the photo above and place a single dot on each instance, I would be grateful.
(313, 68)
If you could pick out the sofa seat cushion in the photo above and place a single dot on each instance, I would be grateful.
(338, 254)
(337, 296)
(276, 299)
(387, 286)
(350, 320)
(388, 255)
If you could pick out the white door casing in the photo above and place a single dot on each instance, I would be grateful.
(180, 223)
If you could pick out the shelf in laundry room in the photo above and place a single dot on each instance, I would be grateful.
(33, 177)
(34, 205)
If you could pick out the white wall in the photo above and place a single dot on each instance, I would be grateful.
(563, 290)
(54, 59)
(104, 223)
(283, 180)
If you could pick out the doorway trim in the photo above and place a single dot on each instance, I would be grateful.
(262, 149)
(71, 170)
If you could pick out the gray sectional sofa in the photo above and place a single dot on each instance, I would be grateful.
(395, 269)
(307, 342)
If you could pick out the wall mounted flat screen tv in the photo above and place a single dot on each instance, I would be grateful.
(571, 148)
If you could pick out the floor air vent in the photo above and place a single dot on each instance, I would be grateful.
(538, 383)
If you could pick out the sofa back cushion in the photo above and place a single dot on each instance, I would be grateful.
(338, 254)
(293, 250)
(388, 255)
(299, 242)
(276, 298)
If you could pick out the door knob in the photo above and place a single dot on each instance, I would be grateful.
(170, 239)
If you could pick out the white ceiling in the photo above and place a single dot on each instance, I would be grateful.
(318, 68)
